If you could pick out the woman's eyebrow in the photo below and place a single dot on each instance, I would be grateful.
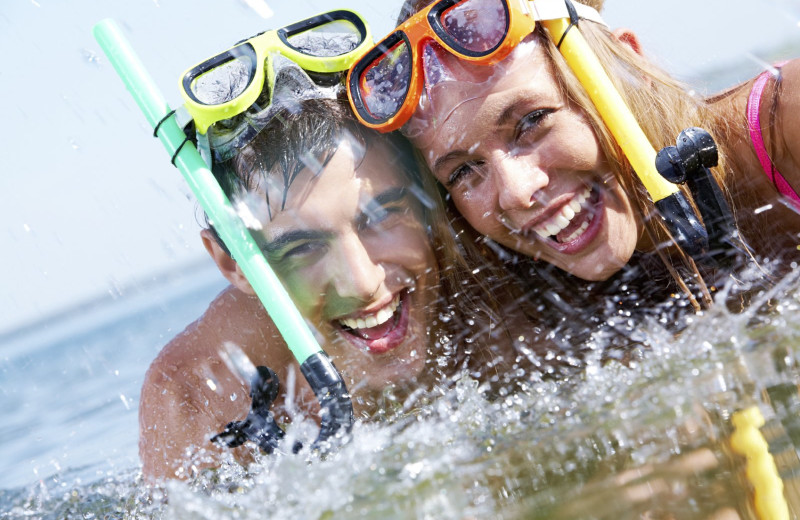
(507, 116)
(281, 240)
(449, 156)
(510, 114)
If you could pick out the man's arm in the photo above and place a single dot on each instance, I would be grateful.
(185, 401)
(192, 390)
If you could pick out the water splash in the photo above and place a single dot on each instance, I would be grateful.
(91, 57)
(648, 439)
(616, 442)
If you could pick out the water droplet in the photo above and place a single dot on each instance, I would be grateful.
(90, 57)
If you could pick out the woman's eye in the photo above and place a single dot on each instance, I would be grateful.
(531, 121)
(461, 173)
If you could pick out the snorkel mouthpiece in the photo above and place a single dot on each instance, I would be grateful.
(259, 426)
(336, 408)
(689, 162)
(683, 224)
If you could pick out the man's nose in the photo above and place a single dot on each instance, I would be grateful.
(356, 274)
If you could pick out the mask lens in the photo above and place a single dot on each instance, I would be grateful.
(385, 83)
(477, 25)
(223, 82)
(334, 38)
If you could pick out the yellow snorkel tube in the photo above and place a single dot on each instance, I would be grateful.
(670, 202)
(660, 173)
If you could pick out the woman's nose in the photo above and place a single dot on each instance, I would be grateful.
(517, 182)
(356, 274)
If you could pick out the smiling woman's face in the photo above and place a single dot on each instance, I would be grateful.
(351, 249)
(524, 167)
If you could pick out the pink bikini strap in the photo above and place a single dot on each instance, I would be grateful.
(754, 122)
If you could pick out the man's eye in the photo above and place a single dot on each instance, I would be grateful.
(374, 216)
(300, 250)
(379, 216)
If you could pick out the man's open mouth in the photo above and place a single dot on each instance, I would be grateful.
(380, 331)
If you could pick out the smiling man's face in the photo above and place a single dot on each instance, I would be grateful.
(350, 247)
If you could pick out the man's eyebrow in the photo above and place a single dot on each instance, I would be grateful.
(390, 195)
(281, 240)
(382, 199)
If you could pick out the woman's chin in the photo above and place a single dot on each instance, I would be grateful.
(600, 267)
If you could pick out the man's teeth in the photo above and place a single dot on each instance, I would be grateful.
(559, 222)
(373, 320)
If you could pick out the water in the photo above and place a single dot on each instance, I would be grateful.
(69, 386)
(649, 441)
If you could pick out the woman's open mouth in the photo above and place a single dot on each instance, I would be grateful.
(380, 331)
(575, 224)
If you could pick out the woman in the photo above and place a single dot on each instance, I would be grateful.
(529, 163)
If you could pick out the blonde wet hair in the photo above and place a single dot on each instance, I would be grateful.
(662, 105)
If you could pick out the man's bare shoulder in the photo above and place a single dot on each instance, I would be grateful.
(193, 388)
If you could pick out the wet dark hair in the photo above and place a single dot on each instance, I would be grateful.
(304, 136)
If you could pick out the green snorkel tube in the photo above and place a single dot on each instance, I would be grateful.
(336, 408)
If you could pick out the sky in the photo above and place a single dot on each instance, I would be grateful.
(91, 205)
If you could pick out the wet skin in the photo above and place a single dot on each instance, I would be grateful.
(524, 167)
(350, 248)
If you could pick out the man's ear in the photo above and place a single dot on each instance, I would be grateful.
(226, 265)
(629, 38)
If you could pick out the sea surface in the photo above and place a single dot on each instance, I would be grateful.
(69, 385)
(706, 425)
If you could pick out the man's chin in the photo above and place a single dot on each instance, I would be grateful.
(402, 375)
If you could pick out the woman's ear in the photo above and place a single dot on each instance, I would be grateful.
(226, 265)
(629, 38)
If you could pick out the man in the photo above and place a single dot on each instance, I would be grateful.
(345, 225)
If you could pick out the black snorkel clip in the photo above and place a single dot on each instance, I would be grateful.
(715, 242)
(260, 427)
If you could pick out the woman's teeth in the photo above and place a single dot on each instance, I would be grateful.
(575, 234)
(373, 320)
(554, 225)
